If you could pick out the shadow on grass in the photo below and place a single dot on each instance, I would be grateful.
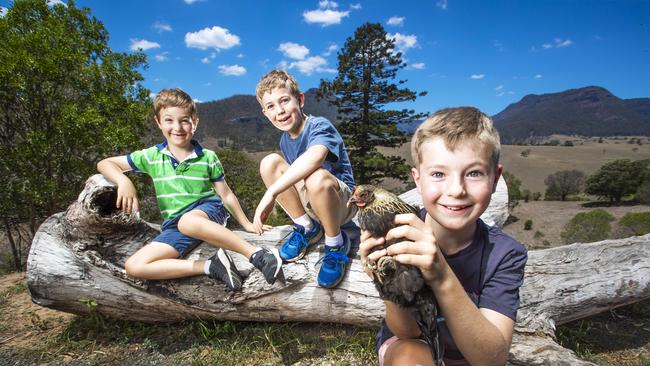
(225, 342)
(597, 204)
(620, 329)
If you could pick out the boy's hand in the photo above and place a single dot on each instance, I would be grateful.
(419, 247)
(127, 198)
(365, 248)
(251, 228)
(263, 211)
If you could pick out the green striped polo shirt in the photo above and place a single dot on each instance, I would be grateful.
(178, 184)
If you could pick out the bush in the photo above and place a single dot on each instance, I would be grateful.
(633, 224)
(528, 225)
(538, 234)
(526, 195)
(537, 196)
(514, 186)
(588, 227)
(643, 192)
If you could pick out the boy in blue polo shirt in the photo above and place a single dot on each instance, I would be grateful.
(312, 179)
(194, 200)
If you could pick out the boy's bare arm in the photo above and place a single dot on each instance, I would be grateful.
(113, 169)
(307, 163)
(482, 335)
(232, 204)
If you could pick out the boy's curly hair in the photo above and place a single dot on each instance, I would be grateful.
(276, 79)
(176, 97)
(456, 125)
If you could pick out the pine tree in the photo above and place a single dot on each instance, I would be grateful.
(363, 90)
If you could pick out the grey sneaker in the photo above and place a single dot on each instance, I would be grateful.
(223, 268)
(268, 261)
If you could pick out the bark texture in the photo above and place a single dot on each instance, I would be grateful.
(80, 254)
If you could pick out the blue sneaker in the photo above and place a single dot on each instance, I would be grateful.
(296, 246)
(333, 263)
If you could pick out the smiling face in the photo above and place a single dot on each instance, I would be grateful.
(284, 110)
(456, 185)
(177, 126)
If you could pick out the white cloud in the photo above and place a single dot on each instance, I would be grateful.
(232, 70)
(324, 4)
(417, 66)
(403, 41)
(190, 2)
(241, 55)
(324, 17)
(398, 21)
(293, 50)
(143, 44)
(205, 60)
(162, 27)
(309, 65)
(538, 76)
(330, 49)
(557, 43)
(3, 11)
(355, 6)
(477, 76)
(55, 2)
(500, 87)
(442, 4)
(197, 100)
(215, 37)
(161, 56)
(152, 95)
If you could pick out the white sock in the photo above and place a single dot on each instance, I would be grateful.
(334, 241)
(206, 267)
(304, 221)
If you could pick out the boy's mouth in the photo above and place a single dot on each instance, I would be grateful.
(456, 208)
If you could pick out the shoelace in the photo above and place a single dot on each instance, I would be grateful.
(300, 238)
(332, 258)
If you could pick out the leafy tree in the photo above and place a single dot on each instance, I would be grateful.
(563, 183)
(366, 83)
(634, 223)
(65, 100)
(617, 179)
(588, 227)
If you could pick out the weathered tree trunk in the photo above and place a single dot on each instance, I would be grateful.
(80, 254)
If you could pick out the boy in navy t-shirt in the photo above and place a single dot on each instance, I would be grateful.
(312, 179)
(474, 270)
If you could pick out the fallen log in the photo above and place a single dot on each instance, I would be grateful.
(79, 256)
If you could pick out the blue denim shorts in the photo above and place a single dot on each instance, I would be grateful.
(183, 244)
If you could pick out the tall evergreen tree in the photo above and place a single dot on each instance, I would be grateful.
(363, 90)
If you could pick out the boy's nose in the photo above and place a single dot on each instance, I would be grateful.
(456, 187)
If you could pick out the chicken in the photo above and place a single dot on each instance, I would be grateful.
(400, 283)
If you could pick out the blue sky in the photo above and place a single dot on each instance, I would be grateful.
(482, 53)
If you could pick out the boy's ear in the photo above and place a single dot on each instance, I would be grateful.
(415, 173)
(497, 175)
(301, 99)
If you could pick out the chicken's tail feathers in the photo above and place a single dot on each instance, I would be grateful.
(426, 316)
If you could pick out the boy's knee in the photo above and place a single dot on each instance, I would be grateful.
(270, 163)
(319, 181)
(133, 267)
(185, 225)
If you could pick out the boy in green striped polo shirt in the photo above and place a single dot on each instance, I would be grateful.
(194, 200)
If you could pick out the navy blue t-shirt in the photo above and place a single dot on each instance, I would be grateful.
(491, 270)
(320, 131)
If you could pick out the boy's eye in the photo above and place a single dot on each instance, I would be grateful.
(269, 107)
(475, 174)
(437, 175)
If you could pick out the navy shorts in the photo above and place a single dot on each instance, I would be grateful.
(183, 244)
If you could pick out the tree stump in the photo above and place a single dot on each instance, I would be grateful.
(79, 255)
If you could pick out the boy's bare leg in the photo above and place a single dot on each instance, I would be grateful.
(158, 261)
(408, 352)
(271, 168)
(197, 225)
(322, 190)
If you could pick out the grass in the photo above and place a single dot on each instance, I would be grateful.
(202, 343)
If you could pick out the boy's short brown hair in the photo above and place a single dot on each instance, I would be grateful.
(167, 98)
(276, 79)
(455, 125)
